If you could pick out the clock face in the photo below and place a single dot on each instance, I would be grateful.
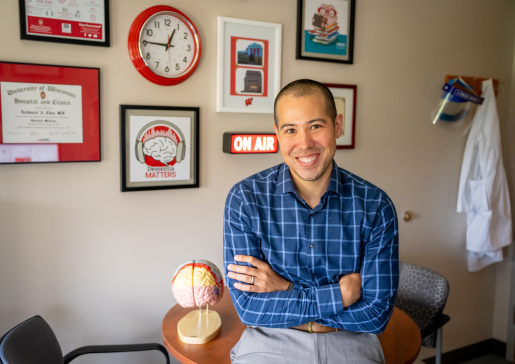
(168, 44)
(164, 45)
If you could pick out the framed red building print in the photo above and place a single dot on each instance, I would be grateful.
(249, 65)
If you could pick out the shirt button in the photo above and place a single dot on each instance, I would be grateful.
(311, 245)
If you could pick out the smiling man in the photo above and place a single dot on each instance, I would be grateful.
(310, 249)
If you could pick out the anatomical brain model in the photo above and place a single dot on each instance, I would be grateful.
(197, 283)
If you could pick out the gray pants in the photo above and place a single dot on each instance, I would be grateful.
(259, 345)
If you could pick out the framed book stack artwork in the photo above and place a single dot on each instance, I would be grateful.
(83, 22)
(49, 113)
(325, 30)
(159, 147)
(249, 65)
(345, 101)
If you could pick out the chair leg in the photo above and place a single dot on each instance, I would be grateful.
(439, 346)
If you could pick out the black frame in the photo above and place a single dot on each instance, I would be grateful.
(24, 35)
(300, 29)
(123, 145)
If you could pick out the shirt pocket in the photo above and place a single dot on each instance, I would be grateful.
(478, 195)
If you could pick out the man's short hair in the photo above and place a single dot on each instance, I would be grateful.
(305, 87)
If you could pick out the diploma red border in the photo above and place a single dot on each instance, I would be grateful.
(89, 79)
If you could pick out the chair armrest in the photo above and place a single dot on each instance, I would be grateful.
(98, 349)
(438, 322)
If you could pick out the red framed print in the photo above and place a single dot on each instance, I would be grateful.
(49, 113)
(159, 147)
(345, 101)
(83, 22)
(249, 65)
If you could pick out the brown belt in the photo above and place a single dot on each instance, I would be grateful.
(313, 327)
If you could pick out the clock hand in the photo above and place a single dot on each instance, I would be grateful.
(163, 44)
(170, 41)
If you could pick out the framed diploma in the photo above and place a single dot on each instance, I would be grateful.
(159, 147)
(49, 113)
(83, 22)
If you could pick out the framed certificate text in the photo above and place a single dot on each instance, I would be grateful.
(49, 113)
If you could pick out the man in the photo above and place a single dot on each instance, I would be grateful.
(310, 250)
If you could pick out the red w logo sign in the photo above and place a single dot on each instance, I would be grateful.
(248, 102)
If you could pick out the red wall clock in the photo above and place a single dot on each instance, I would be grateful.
(164, 45)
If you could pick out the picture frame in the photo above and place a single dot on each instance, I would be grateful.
(60, 22)
(248, 65)
(325, 32)
(49, 113)
(345, 99)
(159, 147)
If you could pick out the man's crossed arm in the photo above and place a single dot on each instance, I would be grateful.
(267, 280)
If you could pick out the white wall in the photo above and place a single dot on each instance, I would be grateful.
(89, 260)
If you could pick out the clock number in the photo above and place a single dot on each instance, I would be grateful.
(178, 26)
(189, 47)
(167, 22)
(167, 69)
(148, 55)
(156, 24)
(145, 43)
(157, 64)
(177, 66)
(149, 32)
(185, 59)
(185, 35)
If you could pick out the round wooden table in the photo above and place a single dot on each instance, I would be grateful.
(400, 340)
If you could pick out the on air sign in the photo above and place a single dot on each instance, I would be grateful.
(238, 143)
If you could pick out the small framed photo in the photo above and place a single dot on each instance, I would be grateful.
(49, 113)
(249, 65)
(77, 22)
(345, 100)
(159, 147)
(325, 30)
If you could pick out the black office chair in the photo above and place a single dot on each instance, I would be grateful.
(34, 342)
(422, 294)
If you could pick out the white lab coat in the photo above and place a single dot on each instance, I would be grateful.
(483, 192)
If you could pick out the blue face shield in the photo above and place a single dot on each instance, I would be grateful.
(457, 106)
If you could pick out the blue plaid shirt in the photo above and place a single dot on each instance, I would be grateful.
(353, 229)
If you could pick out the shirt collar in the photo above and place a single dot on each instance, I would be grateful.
(285, 183)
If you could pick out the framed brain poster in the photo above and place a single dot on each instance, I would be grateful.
(249, 65)
(325, 30)
(159, 147)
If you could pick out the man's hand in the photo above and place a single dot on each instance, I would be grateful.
(350, 288)
(265, 279)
